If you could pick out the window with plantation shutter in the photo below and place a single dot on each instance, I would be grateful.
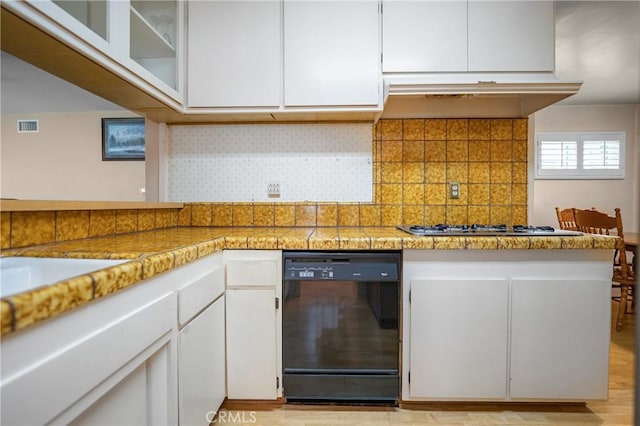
(580, 155)
(601, 154)
(559, 154)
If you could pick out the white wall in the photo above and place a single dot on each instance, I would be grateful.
(605, 195)
(310, 161)
(152, 144)
(64, 160)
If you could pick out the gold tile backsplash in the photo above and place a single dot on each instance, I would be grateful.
(27, 228)
(414, 162)
(102, 222)
(487, 157)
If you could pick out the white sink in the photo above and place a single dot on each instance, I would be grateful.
(19, 274)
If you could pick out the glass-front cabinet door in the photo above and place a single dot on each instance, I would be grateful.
(153, 37)
(135, 36)
(92, 14)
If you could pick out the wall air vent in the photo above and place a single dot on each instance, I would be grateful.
(27, 126)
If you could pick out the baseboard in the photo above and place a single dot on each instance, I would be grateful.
(252, 404)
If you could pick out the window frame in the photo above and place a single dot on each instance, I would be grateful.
(580, 172)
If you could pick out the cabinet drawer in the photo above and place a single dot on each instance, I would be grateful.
(252, 272)
(197, 295)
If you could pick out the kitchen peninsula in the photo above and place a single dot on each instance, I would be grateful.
(179, 245)
(489, 298)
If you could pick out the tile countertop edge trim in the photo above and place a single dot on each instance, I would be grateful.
(55, 205)
(218, 244)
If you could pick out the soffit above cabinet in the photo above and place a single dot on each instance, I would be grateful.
(267, 116)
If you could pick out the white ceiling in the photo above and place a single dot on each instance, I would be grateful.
(597, 42)
(28, 89)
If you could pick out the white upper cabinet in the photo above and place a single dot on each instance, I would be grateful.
(511, 36)
(331, 53)
(91, 14)
(423, 36)
(234, 54)
(136, 40)
(468, 36)
(220, 60)
(271, 55)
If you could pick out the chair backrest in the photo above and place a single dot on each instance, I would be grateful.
(566, 220)
(596, 222)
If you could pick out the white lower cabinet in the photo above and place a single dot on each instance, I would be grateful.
(126, 403)
(512, 325)
(117, 360)
(202, 365)
(254, 323)
(559, 339)
(118, 352)
(251, 344)
(458, 338)
(201, 344)
(142, 397)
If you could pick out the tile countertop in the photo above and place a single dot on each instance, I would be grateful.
(157, 251)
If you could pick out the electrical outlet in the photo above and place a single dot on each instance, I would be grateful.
(454, 190)
(273, 189)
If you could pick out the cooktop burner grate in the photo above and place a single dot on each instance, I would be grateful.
(484, 230)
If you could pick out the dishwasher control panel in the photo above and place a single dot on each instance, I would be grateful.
(310, 272)
(358, 268)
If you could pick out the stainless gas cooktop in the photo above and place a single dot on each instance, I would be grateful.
(485, 230)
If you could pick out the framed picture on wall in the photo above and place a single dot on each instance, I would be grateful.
(122, 139)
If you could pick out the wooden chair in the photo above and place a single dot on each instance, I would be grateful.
(595, 222)
(566, 219)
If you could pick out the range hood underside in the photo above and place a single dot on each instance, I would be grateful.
(481, 100)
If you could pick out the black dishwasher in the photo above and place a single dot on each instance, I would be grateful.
(340, 326)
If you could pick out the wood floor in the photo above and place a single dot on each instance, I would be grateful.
(617, 410)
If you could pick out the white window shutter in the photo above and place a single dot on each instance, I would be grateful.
(580, 155)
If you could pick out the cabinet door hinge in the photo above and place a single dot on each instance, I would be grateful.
(277, 303)
(277, 382)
